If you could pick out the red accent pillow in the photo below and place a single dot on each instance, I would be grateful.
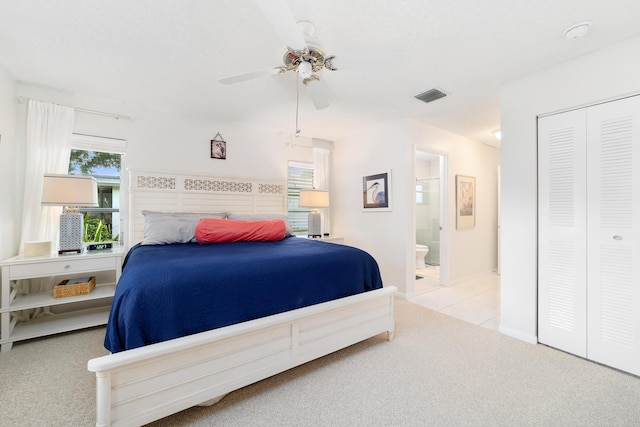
(212, 230)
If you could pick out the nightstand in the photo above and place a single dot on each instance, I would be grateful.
(60, 314)
(332, 239)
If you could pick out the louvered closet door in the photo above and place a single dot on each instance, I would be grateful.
(562, 232)
(613, 253)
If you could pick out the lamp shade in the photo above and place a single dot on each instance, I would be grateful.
(69, 190)
(314, 199)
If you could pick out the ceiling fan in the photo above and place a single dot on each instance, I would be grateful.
(304, 55)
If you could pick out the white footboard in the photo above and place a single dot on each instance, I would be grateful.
(138, 386)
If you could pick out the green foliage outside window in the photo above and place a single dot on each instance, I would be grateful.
(97, 225)
(97, 230)
(93, 162)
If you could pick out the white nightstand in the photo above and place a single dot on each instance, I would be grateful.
(71, 315)
(332, 239)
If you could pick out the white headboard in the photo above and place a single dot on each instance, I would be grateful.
(173, 192)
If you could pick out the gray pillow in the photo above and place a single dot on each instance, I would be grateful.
(262, 217)
(162, 228)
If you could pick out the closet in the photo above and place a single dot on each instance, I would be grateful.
(589, 232)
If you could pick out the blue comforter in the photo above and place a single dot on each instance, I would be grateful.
(169, 291)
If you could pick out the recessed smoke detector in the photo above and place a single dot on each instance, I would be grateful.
(578, 30)
(431, 95)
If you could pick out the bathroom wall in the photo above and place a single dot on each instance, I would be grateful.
(428, 205)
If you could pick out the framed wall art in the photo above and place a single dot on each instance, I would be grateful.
(218, 147)
(465, 202)
(376, 194)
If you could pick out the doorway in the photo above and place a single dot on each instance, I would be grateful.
(430, 217)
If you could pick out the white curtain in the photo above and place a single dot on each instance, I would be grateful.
(322, 180)
(49, 129)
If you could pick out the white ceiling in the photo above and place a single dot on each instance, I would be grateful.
(169, 54)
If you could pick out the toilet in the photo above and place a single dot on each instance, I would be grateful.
(421, 253)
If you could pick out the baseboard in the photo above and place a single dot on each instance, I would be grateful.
(531, 339)
(401, 295)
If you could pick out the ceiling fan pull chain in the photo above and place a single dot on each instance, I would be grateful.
(297, 103)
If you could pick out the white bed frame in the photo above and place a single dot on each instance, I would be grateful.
(138, 386)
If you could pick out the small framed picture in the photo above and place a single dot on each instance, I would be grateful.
(218, 149)
(376, 195)
(465, 202)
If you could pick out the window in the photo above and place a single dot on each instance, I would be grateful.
(101, 158)
(299, 177)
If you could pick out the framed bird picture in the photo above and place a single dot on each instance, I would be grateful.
(376, 194)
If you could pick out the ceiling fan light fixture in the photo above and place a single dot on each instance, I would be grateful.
(305, 69)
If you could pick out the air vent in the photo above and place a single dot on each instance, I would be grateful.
(431, 95)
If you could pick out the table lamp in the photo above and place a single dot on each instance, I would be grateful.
(70, 191)
(314, 199)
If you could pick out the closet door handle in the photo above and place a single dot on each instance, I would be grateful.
(617, 237)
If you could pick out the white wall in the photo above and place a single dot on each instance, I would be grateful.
(8, 194)
(602, 75)
(165, 141)
(162, 140)
(383, 234)
(389, 236)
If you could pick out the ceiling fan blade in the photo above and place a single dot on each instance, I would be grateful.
(279, 14)
(318, 93)
(249, 76)
(366, 60)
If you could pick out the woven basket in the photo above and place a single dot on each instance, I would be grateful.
(62, 289)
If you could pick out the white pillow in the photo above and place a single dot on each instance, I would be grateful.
(162, 228)
(262, 217)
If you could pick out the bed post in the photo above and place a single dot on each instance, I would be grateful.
(103, 402)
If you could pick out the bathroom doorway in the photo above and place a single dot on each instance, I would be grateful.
(430, 196)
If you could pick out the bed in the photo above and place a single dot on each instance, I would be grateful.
(188, 337)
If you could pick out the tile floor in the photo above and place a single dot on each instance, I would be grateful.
(475, 300)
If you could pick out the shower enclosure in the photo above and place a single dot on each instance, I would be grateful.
(428, 217)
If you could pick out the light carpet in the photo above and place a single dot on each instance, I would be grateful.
(438, 371)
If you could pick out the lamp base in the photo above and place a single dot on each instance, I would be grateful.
(69, 251)
(315, 224)
(70, 232)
